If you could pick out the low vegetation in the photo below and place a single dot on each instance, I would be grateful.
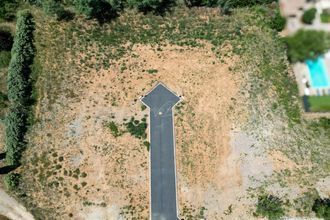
(325, 16)
(270, 206)
(309, 16)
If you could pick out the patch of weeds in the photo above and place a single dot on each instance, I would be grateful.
(147, 144)
(114, 129)
(152, 71)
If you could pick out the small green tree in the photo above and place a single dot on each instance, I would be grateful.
(277, 22)
(321, 208)
(269, 206)
(309, 16)
(307, 44)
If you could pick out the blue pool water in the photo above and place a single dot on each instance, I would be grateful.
(318, 73)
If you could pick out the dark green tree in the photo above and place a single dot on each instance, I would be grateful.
(307, 44)
(277, 22)
(309, 16)
(98, 9)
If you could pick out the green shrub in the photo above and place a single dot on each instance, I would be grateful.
(321, 208)
(12, 180)
(6, 40)
(277, 22)
(269, 206)
(3, 100)
(309, 16)
(137, 128)
(307, 44)
(4, 58)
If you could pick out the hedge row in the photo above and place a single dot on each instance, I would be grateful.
(19, 87)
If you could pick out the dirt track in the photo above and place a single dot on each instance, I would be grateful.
(10, 208)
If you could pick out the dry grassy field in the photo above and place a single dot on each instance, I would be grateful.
(239, 130)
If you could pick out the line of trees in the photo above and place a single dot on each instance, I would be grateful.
(105, 10)
(19, 87)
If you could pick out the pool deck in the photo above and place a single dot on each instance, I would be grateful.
(302, 74)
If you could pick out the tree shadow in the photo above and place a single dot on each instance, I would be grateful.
(2, 156)
(306, 103)
(7, 169)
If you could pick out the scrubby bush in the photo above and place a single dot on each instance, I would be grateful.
(269, 206)
(137, 128)
(98, 9)
(309, 16)
(12, 180)
(307, 44)
(277, 22)
(321, 208)
(19, 87)
(209, 3)
(155, 6)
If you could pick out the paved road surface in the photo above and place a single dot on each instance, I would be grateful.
(163, 179)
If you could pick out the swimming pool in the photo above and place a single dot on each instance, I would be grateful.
(318, 73)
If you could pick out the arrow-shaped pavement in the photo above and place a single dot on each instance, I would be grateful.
(161, 100)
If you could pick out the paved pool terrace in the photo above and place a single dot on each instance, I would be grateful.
(313, 77)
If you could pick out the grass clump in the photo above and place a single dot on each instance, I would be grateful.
(269, 206)
(4, 59)
(114, 129)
